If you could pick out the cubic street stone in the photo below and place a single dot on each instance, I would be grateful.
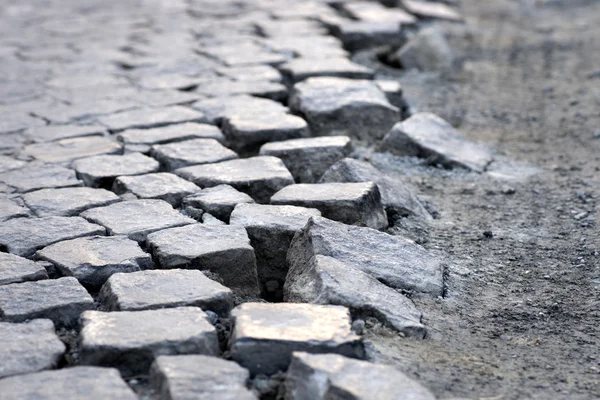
(308, 159)
(393, 260)
(260, 177)
(271, 229)
(338, 106)
(137, 218)
(357, 35)
(222, 250)
(227, 87)
(300, 69)
(251, 73)
(161, 185)
(52, 133)
(146, 290)
(219, 201)
(351, 203)
(61, 300)
(23, 236)
(265, 335)
(427, 135)
(75, 383)
(395, 196)
(144, 139)
(9, 209)
(325, 376)
(67, 202)
(311, 47)
(15, 269)
(67, 150)
(29, 347)
(375, 12)
(92, 260)
(191, 152)
(39, 175)
(243, 105)
(130, 340)
(199, 377)
(101, 171)
(144, 118)
(324, 280)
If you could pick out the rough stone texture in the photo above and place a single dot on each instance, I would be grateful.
(324, 280)
(8, 163)
(161, 185)
(329, 376)
(260, 177)
(15, 269)
(427, 135)
(221, 107)
(300, 69)
(9, 209)
(308, 159)
(38, 175)
(337, 106)
(311, 47)
(67, 150)
(75, 383)
(265, 335)
(92, 260)
(146, 290)
(219, 201)
(243, 54)
(226, 87)
(144, 139)
(137, 218)
(200, 378)
(101, 171)
(144, 118)
(251, 73)
(191, 152)
(61, 300)
(29, 347)
(351, 203)
(23, 236)
(393, 260)
(271, 229)
(370, 11)
(58, 132)
(395, 196)
(222, 250)
(426, 9)
(130, 340)
(67, 202)
(357, 35)
(428, 50)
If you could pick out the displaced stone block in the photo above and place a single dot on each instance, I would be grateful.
(67, 202)
(144, 118)
(92, 260)
(326, 376)
(29, 347)
(308, 159)
(38, 175)
(350, 203)
(147, 290)
(161, 185)
(300, 69)
(219, 201)
(61, 300)
(199, 377)
(266, 334)
(393, 260)
(260, 177)
(101, 171)
(131, 340)
(191, 152)
(67, 150)
(15, 269)
(223, 250)
(137, 218)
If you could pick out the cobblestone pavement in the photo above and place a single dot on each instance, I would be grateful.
(193, 203)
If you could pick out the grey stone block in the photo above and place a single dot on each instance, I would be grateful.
(434, 10)
(351, 203)
(61, 300)
(369, 11)
(38, 175)
(9, 209)
(191, 152)
(75, 383)
(29, 347)
(131, 340)
(219, 201)
(300, 69)
(101, 171)
(67, 150)
(328, 376)
(308, 159)
(7, 163)
(222, 107)
(92, 260)
(222, 250)
(67, 202)
(144, 118)
(51, 133)
(227, 87)
(15, 269)
(162, 185)
(146, 290)
(251, 73)
(137, 218)
(260, 177)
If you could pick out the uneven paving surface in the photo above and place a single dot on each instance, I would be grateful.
(284, 199)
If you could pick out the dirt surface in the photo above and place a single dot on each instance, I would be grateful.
(521, 318)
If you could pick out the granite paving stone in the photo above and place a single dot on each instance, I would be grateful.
(227, 87)
(146, 290)
(10, 209)
(92, 260)
(251, 73)
(311, 47)
(67, 202)
(370, 11)
(61, 300)
(29, 347)
(137, 218)
(219, 201)
(143, 118)
(264, 345)
(15, 269)
(161, 185)
(131, 340)
(7, 163)
(359, 35)
(51, 133)
(67, 150)
(101, 171)
(144, 139)
(427, 9)
(191, 152)
(39, 175)
(223, 250)
(300, 69)
(216, 109)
